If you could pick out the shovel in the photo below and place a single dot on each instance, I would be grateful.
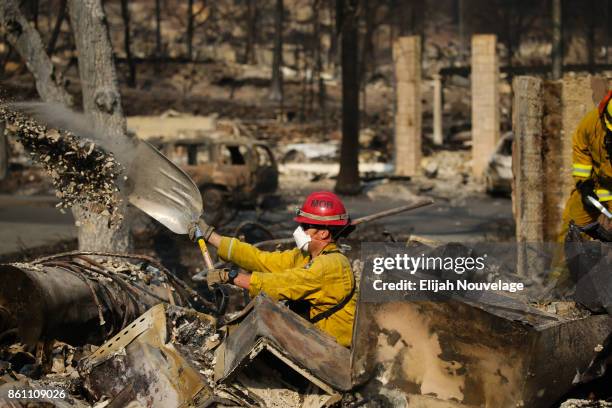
(154, 184)
(166, 193)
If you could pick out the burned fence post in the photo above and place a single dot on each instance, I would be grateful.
(528, 169)
(485, 101)
(407, 63)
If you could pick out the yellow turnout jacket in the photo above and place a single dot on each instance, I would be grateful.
(590, 159)
(324, 281)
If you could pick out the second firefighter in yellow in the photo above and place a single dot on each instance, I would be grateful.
(592, 167)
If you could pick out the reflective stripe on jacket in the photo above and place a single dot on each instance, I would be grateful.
(291, 275)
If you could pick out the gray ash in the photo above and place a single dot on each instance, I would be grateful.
(81, 171)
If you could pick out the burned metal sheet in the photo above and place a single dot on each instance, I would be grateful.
(269, 328)
(497, 352)
(76, 299)
(139, 364)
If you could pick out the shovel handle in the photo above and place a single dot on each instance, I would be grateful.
(205, 253)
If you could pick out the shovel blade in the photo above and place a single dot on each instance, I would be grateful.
(162, 190)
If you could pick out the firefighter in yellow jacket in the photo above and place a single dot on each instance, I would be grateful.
(315, 271)
(592, 167)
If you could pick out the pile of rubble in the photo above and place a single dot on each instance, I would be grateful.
(142, 336)
(81, 171)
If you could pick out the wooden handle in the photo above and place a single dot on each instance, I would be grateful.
(205, 253)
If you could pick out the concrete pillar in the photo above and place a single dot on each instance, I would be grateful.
(528, 170)
(407, 64)
(485, 101)
(438, 137)
(545, 117)
(556, 157)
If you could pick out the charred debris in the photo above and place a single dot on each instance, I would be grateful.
(140, 336)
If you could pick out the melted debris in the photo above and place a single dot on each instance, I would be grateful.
(82, 172)
(195, 337)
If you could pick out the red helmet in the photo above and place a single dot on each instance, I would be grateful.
(322, 208)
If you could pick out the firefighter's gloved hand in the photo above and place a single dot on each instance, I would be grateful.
(205, 229)
(604, 228)
(586, 189)
(217, 276)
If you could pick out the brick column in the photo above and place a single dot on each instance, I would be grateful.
(485, 101)
(407, 63)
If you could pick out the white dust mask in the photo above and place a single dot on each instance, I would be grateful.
(302, 239)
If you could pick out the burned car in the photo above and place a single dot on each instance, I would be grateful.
(230, 172)
(498, 174)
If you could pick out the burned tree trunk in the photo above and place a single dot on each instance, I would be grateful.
(318, 56)
(4, 150)
(125, 15)
(61, 16)
(348, 179)
(32, 7)
(189, 37)
(367, 49)
(26, 40)
(276, 86)
(591, 10)
(463, 41)
(608, 30)
(249, 52)
(557, 40)
(102, 101)
(158, 38)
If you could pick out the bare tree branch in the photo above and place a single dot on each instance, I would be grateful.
(26, 40)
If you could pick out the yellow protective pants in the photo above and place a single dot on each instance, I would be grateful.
(574, 210)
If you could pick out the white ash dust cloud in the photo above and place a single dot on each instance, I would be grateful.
(85, 167)
(59, 117)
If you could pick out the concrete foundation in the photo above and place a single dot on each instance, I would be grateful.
(508, 354)
(407, 63)
(485, 101)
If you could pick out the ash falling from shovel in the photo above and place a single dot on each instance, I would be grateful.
(82, 171)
